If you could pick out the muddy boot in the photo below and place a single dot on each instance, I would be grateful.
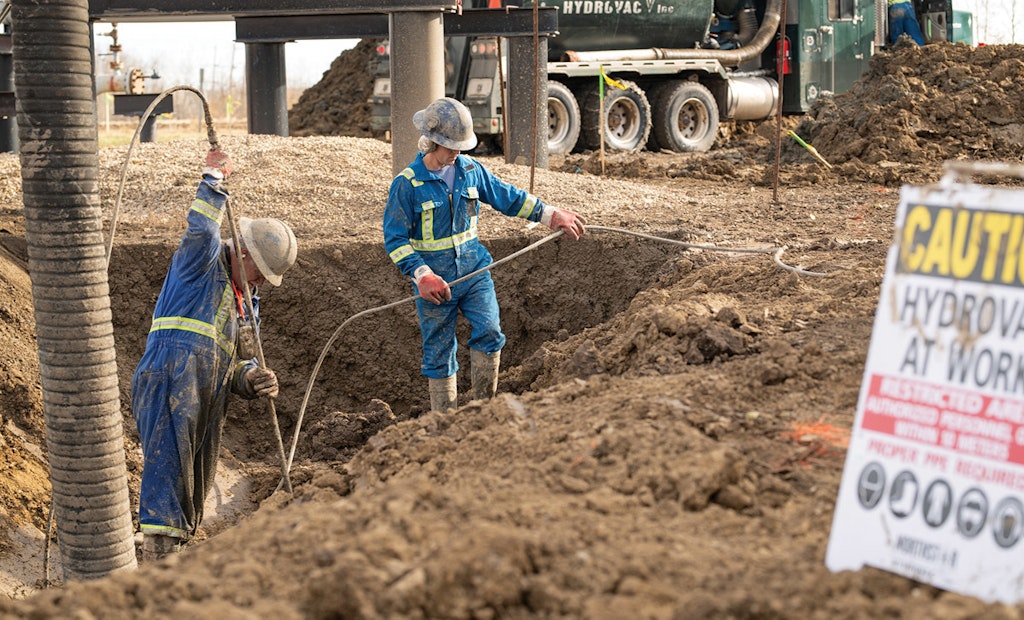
(444, 394)
(157, 546)
(484, 369)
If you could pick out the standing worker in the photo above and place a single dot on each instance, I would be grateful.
(902, 19)
(200, 347)
(430, 232)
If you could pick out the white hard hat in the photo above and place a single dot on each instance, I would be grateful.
(271, 243)
(447, 122)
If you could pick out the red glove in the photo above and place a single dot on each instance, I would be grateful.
(565, 220)
(432, 287)
(218, 163)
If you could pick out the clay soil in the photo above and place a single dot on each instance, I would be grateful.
(671, 425)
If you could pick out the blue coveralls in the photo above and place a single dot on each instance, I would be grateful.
(902, 19)
(424, 224)
(180, 387)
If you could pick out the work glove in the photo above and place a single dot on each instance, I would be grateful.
(432, 287)
(218, 164)
(263, 382)
(563, 219)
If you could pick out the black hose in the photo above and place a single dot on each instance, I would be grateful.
(75, 337)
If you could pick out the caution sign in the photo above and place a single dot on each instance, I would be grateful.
(933, 485)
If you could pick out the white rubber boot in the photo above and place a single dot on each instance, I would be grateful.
(157, 546)
(484, 369)
(444, 393)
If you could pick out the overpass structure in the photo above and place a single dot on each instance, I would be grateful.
(416, 29)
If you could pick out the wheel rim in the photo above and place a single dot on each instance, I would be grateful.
(558, 121)
(693, 120)
(623, 122)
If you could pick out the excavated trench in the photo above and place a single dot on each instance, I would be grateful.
(370, 376)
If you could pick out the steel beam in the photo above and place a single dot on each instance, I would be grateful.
(471, 23)
(417, 78)
(8, 111)
(266, 89)
(212, 10)
(527, 102)
(506, 22)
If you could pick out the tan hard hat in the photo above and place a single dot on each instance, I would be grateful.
(271, 243)
(447, 122)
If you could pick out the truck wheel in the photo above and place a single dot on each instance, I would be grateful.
(626, 118)
(563, 119)
(685, 117)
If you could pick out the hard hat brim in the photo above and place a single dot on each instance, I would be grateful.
(465, 145)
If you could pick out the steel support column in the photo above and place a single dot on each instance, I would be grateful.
(524, 108)
(417, 77)
(8, 116)
(266, 89)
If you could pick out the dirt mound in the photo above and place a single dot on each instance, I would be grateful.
(914, 107)
(667, 443)
(338, 104)
(927, 104)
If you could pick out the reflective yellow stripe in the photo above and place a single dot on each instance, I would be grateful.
(447, 243)
(207, 210)
(427, 220)
(184, 324)
(528, 205)
(401, 252)
(214, 332)
(225, 313)
(409, 174)
(166, 530)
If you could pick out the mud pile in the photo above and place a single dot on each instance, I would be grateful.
(926, 104)
(914, 107)
(338, 105)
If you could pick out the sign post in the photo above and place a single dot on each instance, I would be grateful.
(933, 484)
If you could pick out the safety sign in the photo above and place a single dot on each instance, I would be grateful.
(933, 484)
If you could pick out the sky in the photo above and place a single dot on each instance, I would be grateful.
(995, 21)
(179, 51)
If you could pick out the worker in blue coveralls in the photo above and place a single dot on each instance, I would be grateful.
(902, 19)
(197, 353)
(430, 232)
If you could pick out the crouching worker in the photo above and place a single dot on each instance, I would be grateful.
(430, 232)
(193, 359)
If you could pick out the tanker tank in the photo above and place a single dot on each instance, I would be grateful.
(594, 25)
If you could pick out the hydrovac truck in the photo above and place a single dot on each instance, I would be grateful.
(678, 69)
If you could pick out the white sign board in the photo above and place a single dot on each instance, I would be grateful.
(933, 485)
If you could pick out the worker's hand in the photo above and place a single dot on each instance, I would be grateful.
(263, 382)
(218, 164)
(564, 220)
(432, 287)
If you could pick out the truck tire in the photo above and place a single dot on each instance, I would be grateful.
(685, 117)
(563, 119)
(626, 120)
